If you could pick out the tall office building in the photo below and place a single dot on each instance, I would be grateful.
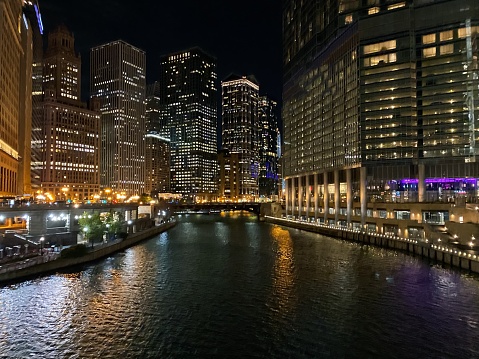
(157, 152)
(117, 80)
(380, 109)
(188, 99)
(229, 176)
(69, 145)
(16, 58)
(31, 9)
(241, 129)
(269, 156)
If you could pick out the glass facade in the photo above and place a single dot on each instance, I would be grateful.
(269, 158)
(382, 97)
(241, 132)
(117, 72)
(188, 102)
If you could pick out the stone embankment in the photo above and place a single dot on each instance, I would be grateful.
(24, 271)
(467, 260)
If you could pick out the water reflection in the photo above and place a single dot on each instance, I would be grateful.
(283, 276)
(217, 285)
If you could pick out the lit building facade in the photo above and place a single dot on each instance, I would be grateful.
(16, 58)
(241, 132)
(31, 9)
(269, 154)
(157, 152)
(70, 143)
(188, 100)
(380, 112)
(229, 176)
(117, 80)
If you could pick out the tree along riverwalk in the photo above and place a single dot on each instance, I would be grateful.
(49, 265)
(467, 260)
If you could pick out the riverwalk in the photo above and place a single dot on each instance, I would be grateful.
(49, 264)
(468, 260)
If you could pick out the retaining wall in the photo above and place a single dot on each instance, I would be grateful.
(63, 263)
(439, 253)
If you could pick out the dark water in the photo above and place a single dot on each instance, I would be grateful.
(217, 286)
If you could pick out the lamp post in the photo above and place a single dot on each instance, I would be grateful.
(41, 245)
(85, 235)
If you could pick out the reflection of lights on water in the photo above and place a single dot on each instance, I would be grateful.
(283, 267)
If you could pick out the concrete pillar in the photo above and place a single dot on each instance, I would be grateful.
(293, 195)
(38, 224)
(316, 197)
(421, 185)
(337, 197)
(287, 197)
(363, 195)
(349, 196)
(308, 197)
(326, 197)
(300, 198)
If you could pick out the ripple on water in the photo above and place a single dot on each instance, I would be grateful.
(229, 285)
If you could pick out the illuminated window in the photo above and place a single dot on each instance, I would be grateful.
(446, 49)
(396, 6)
(376, 60)
(380, 46)
(446, 35)
(373, 10)
(462, 33)
(429, 39)
(429, 52)
(348, 19)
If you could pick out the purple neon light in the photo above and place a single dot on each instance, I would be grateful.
(439, 180)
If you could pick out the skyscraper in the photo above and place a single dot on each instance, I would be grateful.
(380, 109)
(188, 99)
(31, 9)
(16, 57)
(229, 176)
(118, 82)
(69, 145)
(269, 157)
(241, 129)
(157, 152)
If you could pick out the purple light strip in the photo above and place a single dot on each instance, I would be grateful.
(439, 180)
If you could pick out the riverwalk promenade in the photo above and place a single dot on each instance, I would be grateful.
(53, 262)
(468, 260)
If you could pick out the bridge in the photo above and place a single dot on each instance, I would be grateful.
(56, 223)
(212, 207)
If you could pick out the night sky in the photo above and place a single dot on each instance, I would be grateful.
(244, 36)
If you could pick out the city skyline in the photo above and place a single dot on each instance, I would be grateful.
(243, 41)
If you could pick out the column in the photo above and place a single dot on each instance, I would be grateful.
(349, 196)
(326, 197)
(293, 195)
(287, 198)
(421, 185)
(363, 195)
(337, 197)
(308, 197)
(300, 196)
(316, 197)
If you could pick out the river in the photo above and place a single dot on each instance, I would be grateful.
(229, 285)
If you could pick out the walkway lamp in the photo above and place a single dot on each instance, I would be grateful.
(85, 238)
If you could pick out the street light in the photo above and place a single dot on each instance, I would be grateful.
(85, 235)
(41, 245)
